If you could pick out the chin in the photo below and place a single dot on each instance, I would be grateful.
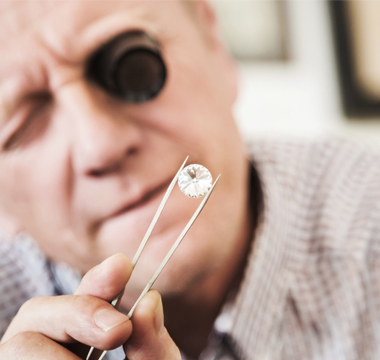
(181, 276)
(170, 284)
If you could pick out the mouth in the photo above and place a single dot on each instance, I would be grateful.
(141, 201)
(133, 204)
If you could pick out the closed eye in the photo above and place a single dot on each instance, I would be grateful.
(33, 121)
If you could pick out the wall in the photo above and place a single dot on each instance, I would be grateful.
(299, 97)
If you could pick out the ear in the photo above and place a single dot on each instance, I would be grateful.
(8, 224)
(204, 15)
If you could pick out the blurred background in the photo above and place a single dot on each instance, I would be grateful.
(307, 67)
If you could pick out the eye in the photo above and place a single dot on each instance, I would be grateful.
(31, 122)
(129, 66)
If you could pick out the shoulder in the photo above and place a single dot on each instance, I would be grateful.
(332, 186)
(323, 161)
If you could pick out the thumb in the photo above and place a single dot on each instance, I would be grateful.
(150, 339)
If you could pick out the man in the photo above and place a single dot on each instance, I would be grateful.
(88, 149)
(85, 169)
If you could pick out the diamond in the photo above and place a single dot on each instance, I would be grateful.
(195, 181)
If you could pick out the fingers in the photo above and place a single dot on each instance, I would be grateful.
(29, 345)
(87, 318)
(149, 339)
(106, 280)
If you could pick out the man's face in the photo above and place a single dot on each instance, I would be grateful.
(83, 171)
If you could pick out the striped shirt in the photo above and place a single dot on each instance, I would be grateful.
(312, 284)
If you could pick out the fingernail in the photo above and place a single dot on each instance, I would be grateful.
(107, 319)
(158, 320)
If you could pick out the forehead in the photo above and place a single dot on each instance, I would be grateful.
(71, 28)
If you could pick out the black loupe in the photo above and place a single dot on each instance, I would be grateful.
(129, 66)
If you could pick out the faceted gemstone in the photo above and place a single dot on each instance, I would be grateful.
(195, 181)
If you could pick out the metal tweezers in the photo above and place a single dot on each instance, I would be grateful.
(116, 300)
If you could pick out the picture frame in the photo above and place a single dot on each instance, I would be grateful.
(354, 25)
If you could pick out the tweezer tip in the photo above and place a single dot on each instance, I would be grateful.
(216, 180)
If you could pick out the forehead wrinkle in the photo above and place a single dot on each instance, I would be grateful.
(108, 27)
(97, 30)
(19, 17)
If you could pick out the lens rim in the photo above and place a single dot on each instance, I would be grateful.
(101, 66)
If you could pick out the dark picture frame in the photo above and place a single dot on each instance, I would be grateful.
(357, 100)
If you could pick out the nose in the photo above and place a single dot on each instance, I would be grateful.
(103, 136)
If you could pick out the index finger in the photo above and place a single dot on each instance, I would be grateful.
(108, 279)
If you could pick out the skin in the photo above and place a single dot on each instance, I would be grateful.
(84, 172)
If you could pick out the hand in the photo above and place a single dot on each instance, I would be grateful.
(65, 327)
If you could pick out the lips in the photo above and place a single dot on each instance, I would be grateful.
(141, 201)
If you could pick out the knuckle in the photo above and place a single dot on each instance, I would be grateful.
(29, 305)
(87, 302)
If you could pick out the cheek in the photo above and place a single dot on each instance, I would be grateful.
(195, 106)
(34, 185)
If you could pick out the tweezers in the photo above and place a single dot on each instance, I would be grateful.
(116, 300)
